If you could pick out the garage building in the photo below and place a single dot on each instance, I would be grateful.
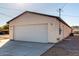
(38, 27)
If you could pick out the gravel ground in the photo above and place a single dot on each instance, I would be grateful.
(67, 47)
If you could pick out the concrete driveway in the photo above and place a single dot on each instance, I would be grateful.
(21, 48)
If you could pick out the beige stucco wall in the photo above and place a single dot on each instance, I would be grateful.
(53, 25)
(29, 18)
(67, 31)
(54, 31)
(62, 31)
(26, 19)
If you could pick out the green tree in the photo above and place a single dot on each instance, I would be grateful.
(5, 27)
(0, 28)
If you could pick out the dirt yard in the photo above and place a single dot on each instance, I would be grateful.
(67, 47)
(4, 37)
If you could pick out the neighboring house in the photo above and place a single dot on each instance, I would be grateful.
(75, 30)
(37, 27)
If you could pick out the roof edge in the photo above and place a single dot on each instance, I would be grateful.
(40, 14)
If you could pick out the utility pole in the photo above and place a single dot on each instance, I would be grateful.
(59, 12)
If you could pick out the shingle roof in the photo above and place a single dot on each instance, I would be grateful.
(42, 15)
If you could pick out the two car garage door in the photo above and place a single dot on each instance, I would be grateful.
(33, 33)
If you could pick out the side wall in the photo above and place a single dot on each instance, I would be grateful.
(54, 35)
(67, 31)
(53, 28)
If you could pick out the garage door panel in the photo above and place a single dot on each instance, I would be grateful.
(34, 33)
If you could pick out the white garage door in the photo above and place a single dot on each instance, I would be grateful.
(33, 33)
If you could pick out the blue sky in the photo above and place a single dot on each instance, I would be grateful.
(70, 12)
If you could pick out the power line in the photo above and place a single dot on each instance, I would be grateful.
(70, 15)
(9, 8)
(5, 14)
(66, 15)
(60, 10)
(63, 6)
